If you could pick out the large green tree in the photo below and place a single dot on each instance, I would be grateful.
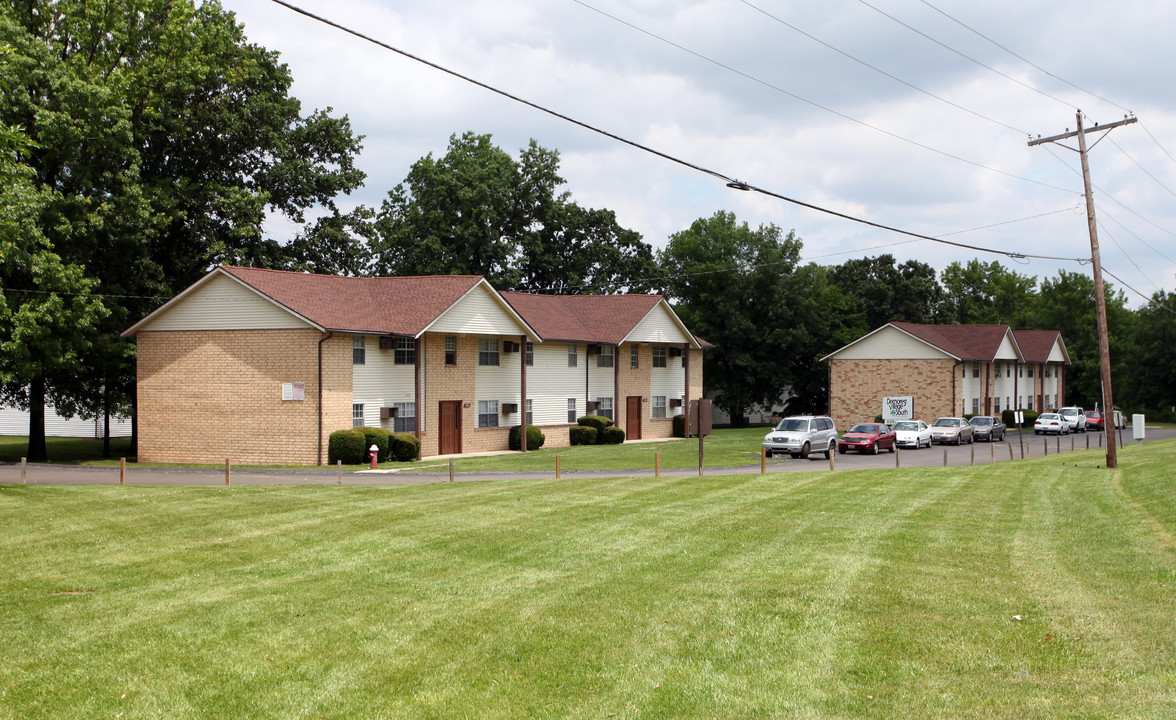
(476, 210)
(884, 291)
(1150, 383)
(162, 140)
(990, 293)
(768, 317)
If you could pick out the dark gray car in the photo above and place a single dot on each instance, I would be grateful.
(988, 427)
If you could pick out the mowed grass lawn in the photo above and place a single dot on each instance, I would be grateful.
(1037, 589)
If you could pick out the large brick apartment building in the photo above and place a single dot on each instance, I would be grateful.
(260, 366)
(949, 370)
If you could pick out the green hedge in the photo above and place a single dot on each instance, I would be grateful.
(405, 447)
(348, 446)
(680, 426)
(535, 438)
(582, 435)
(1009, 419)
(379, 437)
(596, 421)
(613, 435)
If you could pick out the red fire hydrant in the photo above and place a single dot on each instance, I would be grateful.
(373, 451)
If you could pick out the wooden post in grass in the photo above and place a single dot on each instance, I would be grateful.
(1058, 444)
(1011, 451)
(1071, 443)
(226, 471)
(763, 460)
(944, 457)
(657, 464)
(557, 466)
(24, 464)
(1021, 441)
(1100, 437)
(832, 464)
(1087, 441)
(898, 452)
(122, 471)
(972, 446)
(1044, 446)
(991, 452)
(339, 470)
(450, 469)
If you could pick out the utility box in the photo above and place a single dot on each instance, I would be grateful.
(1137, 430)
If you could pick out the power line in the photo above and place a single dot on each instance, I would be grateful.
(881, 71)
(812, 103)
(1157, 142)
(1103, 211)
(731, 182)
(1150, 301)
(966, 57)
(1022, 59)
(1131, 260)
(1153, 177)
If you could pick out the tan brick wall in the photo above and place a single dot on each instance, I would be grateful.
(205, 396)
(856, 388)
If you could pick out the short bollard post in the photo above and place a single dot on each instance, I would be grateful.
(1100, 437)
(226, 471)
(557, 466)
(1058, 445)
(1011, 451)
(1071, 443)
(24, 464)
(991, 452)
(450, 469)
(657, 464)
(832, 464)
(763, 460)
(1044, 446)
(339, 470)
(972, 447)
(122, 471)
(944, 457)
(898, 452)
(1087, 441)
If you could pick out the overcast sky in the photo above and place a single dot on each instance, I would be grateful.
(896, 111)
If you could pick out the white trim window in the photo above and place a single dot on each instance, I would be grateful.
(405, 352)
(659, 356)
(573, 355)
(530, 353)
(488, 353)
(633, 356)
(975, 406)
(405, 420)
(530, 412)
(996, 407)
(358, 350)
(605, 358)
(357, 415)
(451, 350)
(658, 407)
(604, 407)
(572, 410)
(488, 412)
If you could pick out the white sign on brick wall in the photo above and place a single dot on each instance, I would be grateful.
(898, 408)
(294, 391)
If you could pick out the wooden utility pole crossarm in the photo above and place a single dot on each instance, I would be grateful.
(1100, 301)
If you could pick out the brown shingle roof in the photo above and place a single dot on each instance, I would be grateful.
(967, 342)
(603, 319)
(380, 305)
(1036, 345)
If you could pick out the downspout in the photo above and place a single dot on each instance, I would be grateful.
(953, 385)
(320, 395)
(587, 379)
(617, 386)
(523, 394)
(686, 383)
(418, 361)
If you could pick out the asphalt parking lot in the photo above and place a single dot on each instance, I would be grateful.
(980, 453)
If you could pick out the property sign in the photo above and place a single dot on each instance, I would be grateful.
(294, 391)
(898, 408)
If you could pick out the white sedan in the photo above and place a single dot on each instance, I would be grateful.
(1051, 423)
(912, 433)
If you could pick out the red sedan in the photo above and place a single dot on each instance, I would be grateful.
(867, 437)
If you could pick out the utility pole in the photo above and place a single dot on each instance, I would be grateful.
(1100, 301)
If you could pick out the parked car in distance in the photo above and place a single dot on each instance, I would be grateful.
(867, 437)
(1095, 421)
(912, 433)
(800, 435)
(1051, 423)
(1075, 417)
(988, 428)
(954, 430)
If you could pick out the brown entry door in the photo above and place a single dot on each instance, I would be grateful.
(633, 417)
(449, 433)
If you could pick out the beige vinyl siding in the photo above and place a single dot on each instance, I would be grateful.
(661, 326)
(669, 381)
(501, 382)
(1006, 351)
(14, 421)
(890, 343)
(973, 388)
(601, 380)
(478, 312)
(550, 382)
(1056, 354)
(379, 382)
(222, 303)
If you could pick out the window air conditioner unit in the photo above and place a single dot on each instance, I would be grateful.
(592, 406)
(387, 413)
(675, 352)
(675, 402)
(385, 343)
(510, 408)
(510, 347)
(594, 349)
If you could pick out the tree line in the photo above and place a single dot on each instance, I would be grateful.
(144, 142)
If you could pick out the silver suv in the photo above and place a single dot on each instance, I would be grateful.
(800, 435)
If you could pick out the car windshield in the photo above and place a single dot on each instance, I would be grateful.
(793, 425)
(864, 428)
(1067, 412)
(906, 425)
(981, 421)
(1049, 416)
(946, 422)
(1092, 413)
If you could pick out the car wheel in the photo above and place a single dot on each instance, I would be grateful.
(768, 454)
(829, 451)
(1036, 432)
(840, 450)
(804, 452)
(794, 456)
(874, 449)
(891, 447)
